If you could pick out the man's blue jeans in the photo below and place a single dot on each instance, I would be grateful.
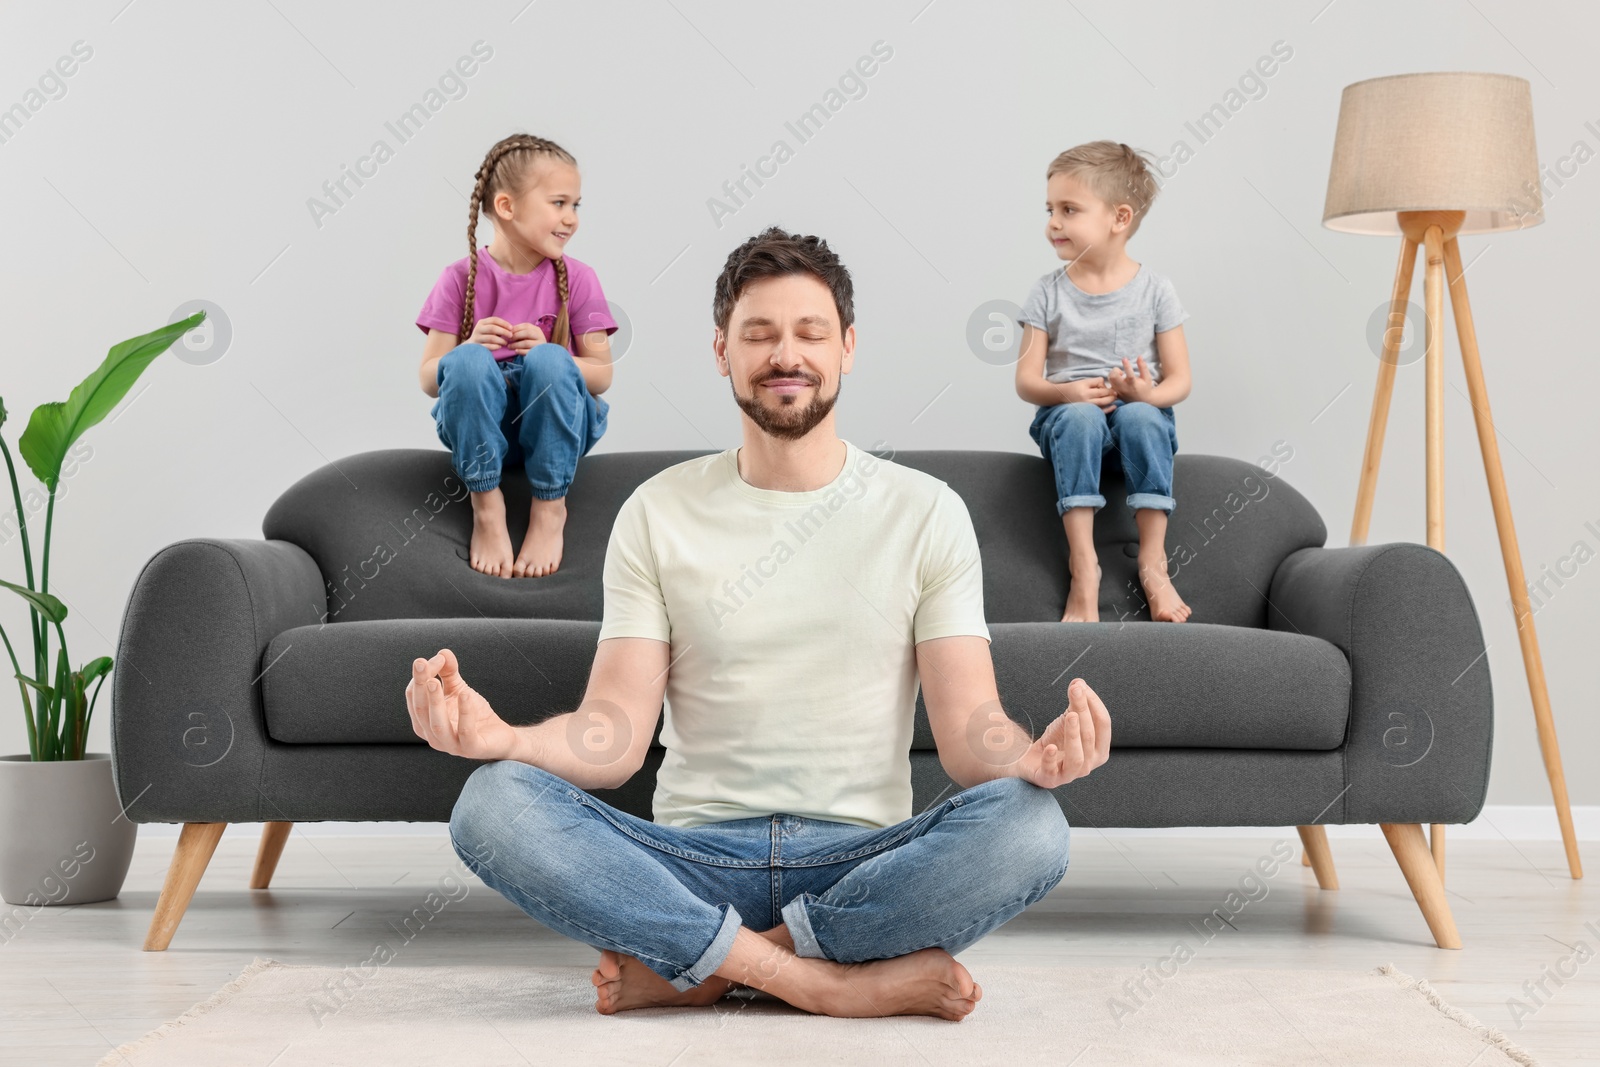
(1076, 437)
(534, 409)
(674, 897)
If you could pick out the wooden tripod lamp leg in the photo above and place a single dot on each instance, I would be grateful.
(273, 836)
(1433, 298)
(1533, 663)
(196, 842)
(1377, 425)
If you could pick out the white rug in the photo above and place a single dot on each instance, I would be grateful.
(281, 1015)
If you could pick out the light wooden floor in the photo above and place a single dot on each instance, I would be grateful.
(74, 981)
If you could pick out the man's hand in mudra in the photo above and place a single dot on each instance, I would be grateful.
(1077, 742)
(451, 716)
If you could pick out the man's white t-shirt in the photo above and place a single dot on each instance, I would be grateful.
(792, 620)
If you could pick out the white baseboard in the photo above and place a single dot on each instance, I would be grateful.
(1516, 822)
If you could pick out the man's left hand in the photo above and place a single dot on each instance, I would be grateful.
(1072, 746)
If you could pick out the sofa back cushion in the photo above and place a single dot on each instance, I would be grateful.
(390, 531)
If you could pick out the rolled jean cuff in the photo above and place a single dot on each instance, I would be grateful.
(1150, 500)
(799, 923)
(1090, 500)
(715, 953)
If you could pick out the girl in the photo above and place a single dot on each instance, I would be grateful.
(518, 352)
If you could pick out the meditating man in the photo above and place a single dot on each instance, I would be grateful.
(787, 598)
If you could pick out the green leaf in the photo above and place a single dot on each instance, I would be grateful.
(47, 605)
(55, 426)
(49, 693)
(94, 669)
(2, 411)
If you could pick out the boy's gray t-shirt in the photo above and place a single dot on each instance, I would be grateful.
(1090, 333)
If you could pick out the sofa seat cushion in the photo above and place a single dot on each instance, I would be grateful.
(344, 683)
(1168, 685)
(1174, 685)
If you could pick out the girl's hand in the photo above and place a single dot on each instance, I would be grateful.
(524, 335)
(1087, 390)
(491, 332)
(1130, 386)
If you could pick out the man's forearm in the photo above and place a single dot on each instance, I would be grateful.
(968, 768)
(581, 747)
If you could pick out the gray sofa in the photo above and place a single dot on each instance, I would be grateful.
(262, 680)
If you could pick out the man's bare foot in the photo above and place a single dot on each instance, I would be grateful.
(926, 982)
(621, 982)
(1083, 598)
(541, 549)
(490, 551)
(1165, 603)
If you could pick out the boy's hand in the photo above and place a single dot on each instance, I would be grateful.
(451, 716)
(492, 332)
(1072, 746)
(1087, 390)
(524, 335)
(1130, 386)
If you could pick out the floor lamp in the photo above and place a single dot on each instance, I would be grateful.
(1427, 157)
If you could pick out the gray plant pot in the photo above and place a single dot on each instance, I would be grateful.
(63, 836)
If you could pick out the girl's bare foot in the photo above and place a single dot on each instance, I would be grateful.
(541, 549)
(926, 982)
(1165, 603)
(490, 551)
(1083, 598)
(621, 982)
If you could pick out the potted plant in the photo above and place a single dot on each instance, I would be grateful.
(64, 838)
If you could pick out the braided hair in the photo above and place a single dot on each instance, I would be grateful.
(506, 169)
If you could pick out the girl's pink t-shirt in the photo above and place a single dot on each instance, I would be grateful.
(518, 298)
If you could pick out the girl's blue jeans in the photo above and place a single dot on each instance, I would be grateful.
(534, 408)
(674, 897)
(1076, 437)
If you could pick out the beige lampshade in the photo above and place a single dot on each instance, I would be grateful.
(1435, 142)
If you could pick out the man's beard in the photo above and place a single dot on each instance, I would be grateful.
(787, 420)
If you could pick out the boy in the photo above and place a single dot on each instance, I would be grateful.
(1103, 356)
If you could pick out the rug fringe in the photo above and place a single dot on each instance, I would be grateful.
(1488, 1033)
(115, 1057)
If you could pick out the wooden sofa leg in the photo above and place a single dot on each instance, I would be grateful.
(1410, 849)
(196, 842)
(1319, 856)
(273, 836)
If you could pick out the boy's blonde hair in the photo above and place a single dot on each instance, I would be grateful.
(1114, 172)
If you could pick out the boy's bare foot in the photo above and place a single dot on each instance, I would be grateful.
(541, 549)
(926, 982)
(1083, 598)
(1165, 603)
(622, 981)
(490, 551)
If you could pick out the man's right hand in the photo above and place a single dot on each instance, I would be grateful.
(451, 716)
(1090, 390)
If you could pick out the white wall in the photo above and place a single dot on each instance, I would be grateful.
(179, 163)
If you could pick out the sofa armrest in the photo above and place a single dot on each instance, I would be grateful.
(188, 736)
(1421, 723)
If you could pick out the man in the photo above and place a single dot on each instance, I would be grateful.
(787, 598)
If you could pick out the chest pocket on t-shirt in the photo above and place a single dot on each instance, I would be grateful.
(1133, 335)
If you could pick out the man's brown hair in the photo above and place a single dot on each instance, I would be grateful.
(774, 253)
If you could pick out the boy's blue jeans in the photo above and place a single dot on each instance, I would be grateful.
(534, 408)
(674, 897)
(1076, 437)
